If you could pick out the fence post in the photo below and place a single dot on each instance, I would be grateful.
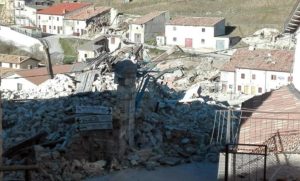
(228, 128)
(226, 161)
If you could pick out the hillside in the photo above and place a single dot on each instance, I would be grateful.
(246, 15)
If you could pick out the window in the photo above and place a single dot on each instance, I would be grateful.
(113, 40)
(273, 77)
(290, 78)
(39, 26)
(54, 27)
(253, 76)
(174, 28)
(78, 22)
(85, 55)
(39, 17)
(242, 76)
(49, 27)
(259, 90)
(19, 86)
(202, 41)
(10, 65)
(174, 39)
(57, 18)
(239, 88)
(203, 29)
(72, 28)
(0, 64)
(49, 17)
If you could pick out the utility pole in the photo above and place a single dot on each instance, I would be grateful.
(1, 134)
(49, 64)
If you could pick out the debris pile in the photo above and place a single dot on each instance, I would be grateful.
(268, 38)
(168, 132)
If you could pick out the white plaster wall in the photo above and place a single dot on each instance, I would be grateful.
(262, 80)
(113, 46)
(133, 28)
(193, 32)
(81, 55)
(296, 68)
(281, 80)
(227, 78)
(10, 83)
(25, 16)
(18, 39)
(43, 19)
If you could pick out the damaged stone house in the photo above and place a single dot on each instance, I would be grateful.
(91, 19)
(148, 26)
(93, 48)
(255, 72)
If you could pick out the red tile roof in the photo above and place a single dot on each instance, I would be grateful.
(148, 17)
(195, 21)
(88, 13)
(16, 59)
(63, 8)
(275, 111)
(39, 75)
(270, 60)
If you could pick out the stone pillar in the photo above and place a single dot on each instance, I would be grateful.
(125, 77)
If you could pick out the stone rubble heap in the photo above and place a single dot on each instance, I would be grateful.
(168, 132)
(268, 38)
(60, 86)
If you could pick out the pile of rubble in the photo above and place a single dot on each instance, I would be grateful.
(60, 86)
(168, 132)
(268, 38)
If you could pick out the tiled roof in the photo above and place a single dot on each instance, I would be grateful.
(39, 75)
(148, 17)
(270, 60)
(16, 59)
(274, 111)
(4, 70)
(88, 13)
(63, 8)
(195, 21)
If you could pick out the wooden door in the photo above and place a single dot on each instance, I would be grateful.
(189, 43)
(44, 28)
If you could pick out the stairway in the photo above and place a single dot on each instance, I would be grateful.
(293, 21)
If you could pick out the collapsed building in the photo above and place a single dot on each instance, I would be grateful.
(108, 113)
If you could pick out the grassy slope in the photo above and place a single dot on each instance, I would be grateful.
(246, 15)
(70, 45)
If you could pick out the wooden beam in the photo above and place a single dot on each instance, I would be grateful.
(18, 167)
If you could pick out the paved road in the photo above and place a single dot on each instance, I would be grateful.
(187, 172)
(54, 45)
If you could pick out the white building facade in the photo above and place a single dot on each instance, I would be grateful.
(197, 33)
(148, 27)
(50, 20)
(76, 23)
(15, 82)
(247, 75)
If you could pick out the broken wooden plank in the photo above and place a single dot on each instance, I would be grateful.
(93, 110)
(24, 144)
(18, 167)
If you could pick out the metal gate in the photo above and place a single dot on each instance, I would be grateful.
(245, 162)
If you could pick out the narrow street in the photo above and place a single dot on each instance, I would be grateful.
(189, 172)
